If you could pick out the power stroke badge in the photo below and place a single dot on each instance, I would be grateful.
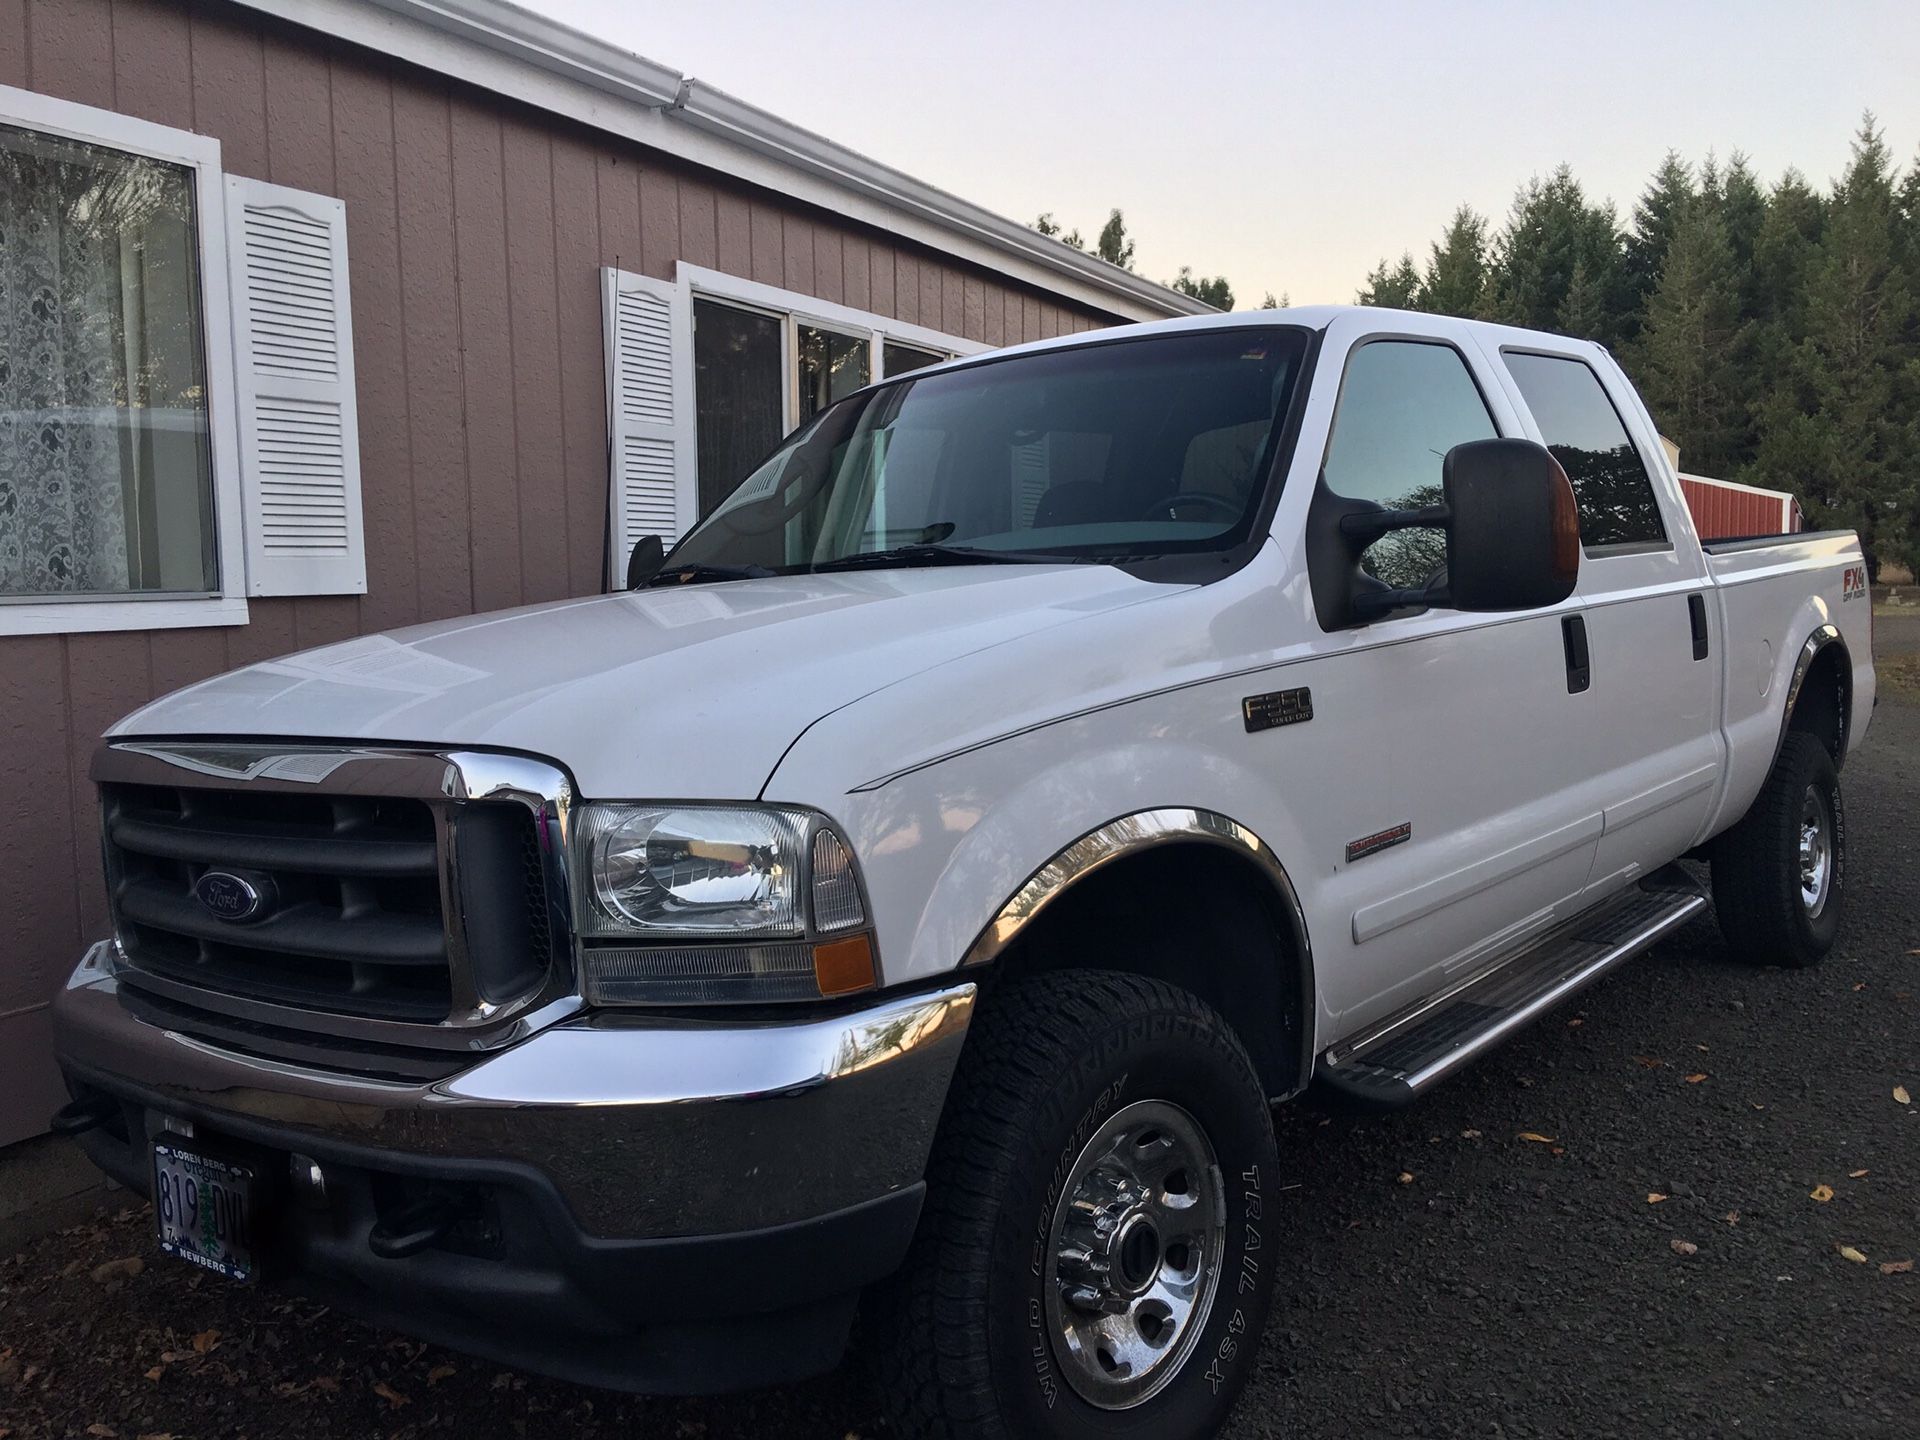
(1380, 840)
(1277, 708)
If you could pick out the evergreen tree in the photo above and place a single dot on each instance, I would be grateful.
(1456, 278)
(1847, 447)
(1396, 287)
(1551, 232)
(1655, 216)
(1686, 355)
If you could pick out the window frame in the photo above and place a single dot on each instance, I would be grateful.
(1616, 548)
(794, 309)
(159, 610)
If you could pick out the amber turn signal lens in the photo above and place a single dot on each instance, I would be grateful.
(844, 966)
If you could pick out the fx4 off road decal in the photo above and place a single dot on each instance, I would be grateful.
(1853, 583)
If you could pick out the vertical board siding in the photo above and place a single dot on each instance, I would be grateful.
(477, 229)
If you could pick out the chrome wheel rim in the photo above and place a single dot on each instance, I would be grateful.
(1816, 852)
(1136, 1241)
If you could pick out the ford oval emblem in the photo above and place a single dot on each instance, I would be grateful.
(230, 897)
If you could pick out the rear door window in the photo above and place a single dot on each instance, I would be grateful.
(1584, 431)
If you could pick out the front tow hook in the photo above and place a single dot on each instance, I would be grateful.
(415, 1227)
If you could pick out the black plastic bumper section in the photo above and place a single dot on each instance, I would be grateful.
(485, 1256)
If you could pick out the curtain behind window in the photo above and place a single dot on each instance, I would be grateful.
(105, 485)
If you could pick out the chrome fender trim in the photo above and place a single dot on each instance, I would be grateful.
(1818, 641)
(1145, 830)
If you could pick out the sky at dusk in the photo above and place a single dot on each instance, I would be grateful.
(1291, 147)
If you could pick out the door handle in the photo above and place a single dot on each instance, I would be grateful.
(1573, 639)
(1697, 617)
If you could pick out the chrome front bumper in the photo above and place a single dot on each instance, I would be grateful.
(644, 1126)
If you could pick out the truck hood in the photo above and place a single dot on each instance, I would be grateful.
(692, 692)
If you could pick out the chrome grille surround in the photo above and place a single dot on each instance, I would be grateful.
(451, 785)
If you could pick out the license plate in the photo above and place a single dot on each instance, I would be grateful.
(203, 1208)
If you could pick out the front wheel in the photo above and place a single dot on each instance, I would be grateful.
(1095, 1258)
(1779, 876)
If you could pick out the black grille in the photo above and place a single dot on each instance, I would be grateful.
(353, 923)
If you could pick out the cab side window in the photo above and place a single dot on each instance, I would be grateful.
(1403, 405)
(1587, 436)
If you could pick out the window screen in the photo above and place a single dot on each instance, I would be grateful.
(737, 402)
(1403, 405)
(1586, 435)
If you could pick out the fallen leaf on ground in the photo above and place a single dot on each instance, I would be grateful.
(156, 1372)
(1822, 1193)
(1684, 1247)
(1536, 1137)
(392, 1396)
(1732, 1217)
(1859, 986)
(206, 1341)
(326, 1382)
(1406, 1177)
(1650, 1062)
(1847, 1252)
(1576, 1022)
(119, 1269)
(1897, 1267)
(1697, 1077)
(1856, 1175)
(1654, 1197)
(1469, 1134)
(102, 1430)
(1900, 1095)
(439, 1373)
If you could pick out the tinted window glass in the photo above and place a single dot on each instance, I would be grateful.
(1403, 405)
(1586, 436)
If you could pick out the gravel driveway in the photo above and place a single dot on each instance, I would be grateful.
(1454, 1275)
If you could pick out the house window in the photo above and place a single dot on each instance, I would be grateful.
(767, 360)
(902, 358)
(106, 472)
(738, 371)
(177, 427)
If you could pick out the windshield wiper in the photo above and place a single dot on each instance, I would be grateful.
(905, 556)
(693, 572)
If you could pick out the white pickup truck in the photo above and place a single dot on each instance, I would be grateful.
(917, 885)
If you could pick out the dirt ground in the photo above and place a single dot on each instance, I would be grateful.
(1706, 1239)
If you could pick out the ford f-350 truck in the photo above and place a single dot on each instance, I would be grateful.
(915, 887)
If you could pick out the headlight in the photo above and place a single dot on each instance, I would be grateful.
(672, 880)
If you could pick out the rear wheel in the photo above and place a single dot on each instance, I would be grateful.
(1094, 1259)
(1779, 876)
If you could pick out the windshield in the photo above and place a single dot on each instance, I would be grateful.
(1128, 449)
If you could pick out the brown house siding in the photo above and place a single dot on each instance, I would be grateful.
(476, 231)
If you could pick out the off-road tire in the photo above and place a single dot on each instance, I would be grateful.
(1757, 870)
(962, 1348)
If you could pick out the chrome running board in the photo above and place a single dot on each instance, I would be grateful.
(1388, 1064)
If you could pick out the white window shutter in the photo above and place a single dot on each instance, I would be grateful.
(649, 339)
(293, 351)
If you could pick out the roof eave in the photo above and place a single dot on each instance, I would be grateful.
(540, 62)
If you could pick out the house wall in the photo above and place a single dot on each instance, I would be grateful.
(476, 232)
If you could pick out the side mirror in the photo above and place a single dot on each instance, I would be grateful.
(1513, 532)
(1512, 527)
(645, 561)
